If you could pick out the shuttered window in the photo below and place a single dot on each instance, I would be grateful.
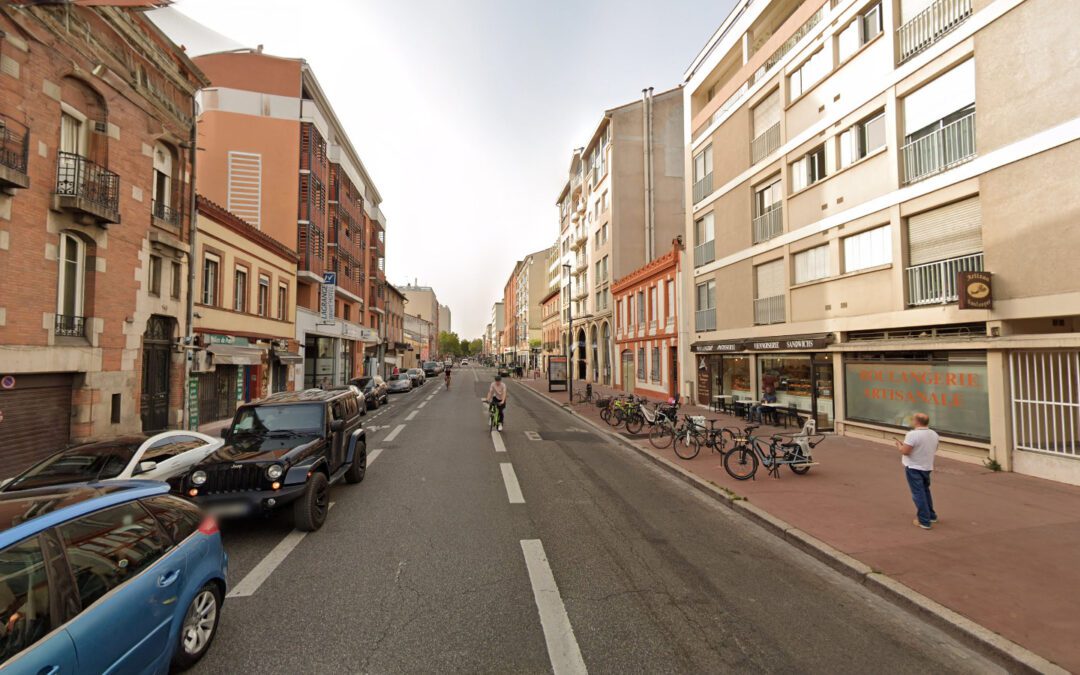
(947, 232)
(770, 279)
(767, 113)
(812, 264)
(245, 186)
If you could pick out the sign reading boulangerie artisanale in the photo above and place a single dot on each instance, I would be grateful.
(975, 290)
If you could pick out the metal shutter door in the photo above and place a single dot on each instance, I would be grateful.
(37, 420)
(948, 232)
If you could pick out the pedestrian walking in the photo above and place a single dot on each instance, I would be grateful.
(917, 453)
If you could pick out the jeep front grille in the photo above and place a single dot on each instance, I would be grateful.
(233, 478)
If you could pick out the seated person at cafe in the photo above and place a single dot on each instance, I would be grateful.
(757, 412)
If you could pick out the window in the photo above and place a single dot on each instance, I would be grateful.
(72, 134)
(925, 108)
(264, 295)
(641, 363)
(641, 308)
(210, 280)
(177, 283)
(654, 309)
(109, 547)
(868, 249)
(809, 73)
(604, 205)
(240, 290)
(767, 198)
(162, 188)
(704, 229)
(703, 167)
(812, 264)
(939, 124)
(705, 306)
(654, 363)
(24, 597)
(769, 279)
(155, 275)
(865, 27)
(179, 518)
(862, 139)
(603, 230)
(72, 255)
(767, 113)
(282, 301)
(671, 300)
(808, 170)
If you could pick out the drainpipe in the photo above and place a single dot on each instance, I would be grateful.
(189, 339)
(647, 153)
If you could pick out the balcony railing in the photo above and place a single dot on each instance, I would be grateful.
(580, 264)
(769, 310)
(703, 188)
(165, 213)
(83, 185)
(765, 144)
(769, 224)
(935, 283)
(704, 320)
(14, 149)
(943, 149)
(578, 240)
(705, 253)
(70, 326)
(930, 25)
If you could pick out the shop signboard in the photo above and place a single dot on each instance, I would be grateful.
(326, 297)
(953, 394)
(777, 344)
(557, 373)
(704, 382)
(975, 290)
(193, 403)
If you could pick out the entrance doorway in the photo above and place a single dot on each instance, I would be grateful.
(157, 352)
(579, 355)
(673, 359)
(628, 371)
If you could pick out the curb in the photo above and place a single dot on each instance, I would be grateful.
(1004, 652)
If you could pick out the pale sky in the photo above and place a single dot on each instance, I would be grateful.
(465, 112)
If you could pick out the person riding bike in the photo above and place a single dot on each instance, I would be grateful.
(497, 394)
(447, 376)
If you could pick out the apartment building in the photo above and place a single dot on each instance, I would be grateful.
(273, 152)
(420, 336)
(531, 284)
(497, 326)
(96, 122)
(444, 318)
(622, 203)
(551, 343)
(883, 205)
(509, 335)
(423, 303)
(394, 341)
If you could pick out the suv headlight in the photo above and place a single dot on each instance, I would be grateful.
(274, 471)
(198, 478)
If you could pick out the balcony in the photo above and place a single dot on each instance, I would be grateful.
(930, 25)
(769, 224)
(940, 150)
(581, 263)
(765, 144)
(165, 213)
(935, 283)
(705, 253)
(310, 244)
(14, 154)
(582, 292)
(90, 191)
(70, 326)
(705, 320)
(703, 188)
(768, 310)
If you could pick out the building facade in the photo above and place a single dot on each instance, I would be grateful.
(420, 336)
(396, 346)
(444, 319)
(647, 327)
(879, 228)
(508, 342)
(423, 303)
(96, 123)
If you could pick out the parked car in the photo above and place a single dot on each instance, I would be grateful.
(360, 398)
(285, 449)
(417, 376)
(399, 384)
(116, 577)
(432, 368)
(464, 362)
(162, 457)
(374, 388)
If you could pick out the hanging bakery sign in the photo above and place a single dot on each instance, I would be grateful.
(975, 289)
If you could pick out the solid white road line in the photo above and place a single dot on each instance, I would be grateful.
(373, 455)
(393, 434)
(562, 646)
(261, 572)
(410, 416)
(496, 439)
(513, 490)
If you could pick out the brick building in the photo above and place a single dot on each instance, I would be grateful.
(95, 121)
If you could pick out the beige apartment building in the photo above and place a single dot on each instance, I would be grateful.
(622, 204)
(885, 220)
(530, 286)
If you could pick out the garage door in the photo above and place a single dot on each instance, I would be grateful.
(36, 420)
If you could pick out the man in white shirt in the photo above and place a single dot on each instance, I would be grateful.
(918, 450)
(497, 393)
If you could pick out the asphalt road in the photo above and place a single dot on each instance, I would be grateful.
(608, 565)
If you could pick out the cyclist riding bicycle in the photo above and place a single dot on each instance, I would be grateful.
(447, 376)
(497, 394)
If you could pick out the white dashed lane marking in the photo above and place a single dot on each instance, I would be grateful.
(513, 490)
(562, 646)
(261, 572)
(393, 434)
(496, 439)
(410, 416)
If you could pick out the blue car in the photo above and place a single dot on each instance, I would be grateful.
(116, 577)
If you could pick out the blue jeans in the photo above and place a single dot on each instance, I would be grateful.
(919, 482)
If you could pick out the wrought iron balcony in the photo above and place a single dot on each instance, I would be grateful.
(14, 154)
(765, 144)
(930, 25)
(87, 189)
(935, 283)
(705, 253)
(952, 144)
(769, 310)
(165, 213)
(769, 224)
(705, 320)
(70, 326)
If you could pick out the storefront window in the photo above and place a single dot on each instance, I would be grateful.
(345, 374)
(318, 361)
(789, 378)
(731, 376)
(950, 388)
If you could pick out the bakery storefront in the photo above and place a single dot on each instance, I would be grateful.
(797, 370)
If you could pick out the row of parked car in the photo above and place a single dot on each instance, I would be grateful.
(110, 554)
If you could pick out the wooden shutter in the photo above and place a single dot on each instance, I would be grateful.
(947, 232)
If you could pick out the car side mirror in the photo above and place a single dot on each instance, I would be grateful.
(337, 425)
(145, 467)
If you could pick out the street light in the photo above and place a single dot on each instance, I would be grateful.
(569, 341)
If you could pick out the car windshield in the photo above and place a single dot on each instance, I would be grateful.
(279, 418)
(362, 382)
(79, 464)
(403, 376)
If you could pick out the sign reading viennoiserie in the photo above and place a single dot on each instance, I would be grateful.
(763, 345)
(975, 290)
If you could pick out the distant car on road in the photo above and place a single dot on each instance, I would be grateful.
(116, 577)
(464, 362)
(417, 375)
(288, 448)
(374, 388)
(399, 384)
(432, 368)
(162, 457)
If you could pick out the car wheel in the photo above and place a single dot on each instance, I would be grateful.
(375, 403)
(309, 512)
(199, 627)
(356, 472)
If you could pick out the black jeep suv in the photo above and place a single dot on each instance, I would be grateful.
(288, 448)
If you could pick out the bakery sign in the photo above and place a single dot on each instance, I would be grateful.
(787, 344)
(975, 290)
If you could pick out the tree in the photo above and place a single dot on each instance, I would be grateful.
(476, 346)
(449, 344)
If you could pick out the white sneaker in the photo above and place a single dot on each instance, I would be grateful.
(500, 427)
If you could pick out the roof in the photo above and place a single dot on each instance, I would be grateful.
(305, 396)
(222, 216)
(28, 512)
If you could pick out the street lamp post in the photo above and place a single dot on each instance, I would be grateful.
(569, 342)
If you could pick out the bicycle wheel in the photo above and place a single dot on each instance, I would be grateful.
(687, 445)
(798, 456)
(661, 435)
(741, 463)
(634, 423)
(605, 414)
(580, 397)
(617, 418)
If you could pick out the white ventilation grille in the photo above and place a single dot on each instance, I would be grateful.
(245, 186)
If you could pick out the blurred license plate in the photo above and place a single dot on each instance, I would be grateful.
(229, 509)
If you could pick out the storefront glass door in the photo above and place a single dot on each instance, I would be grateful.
(823, 391)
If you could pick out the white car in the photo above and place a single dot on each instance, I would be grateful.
(464, 362)
(161, 457)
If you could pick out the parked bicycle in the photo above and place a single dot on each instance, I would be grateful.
(793, 451)
(587, 396)
(658, 415)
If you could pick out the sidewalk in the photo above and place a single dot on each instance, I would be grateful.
(1006, 553)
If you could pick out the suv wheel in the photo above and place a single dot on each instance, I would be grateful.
(375, 403)
(356, 472)
(309, 512)
(199, 627)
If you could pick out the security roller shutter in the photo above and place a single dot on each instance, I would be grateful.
(948, 232)
(767, 113)
(771, 280)
(36, 420)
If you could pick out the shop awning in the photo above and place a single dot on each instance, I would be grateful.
(292, 358)
(768, 344)
(235, 355)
